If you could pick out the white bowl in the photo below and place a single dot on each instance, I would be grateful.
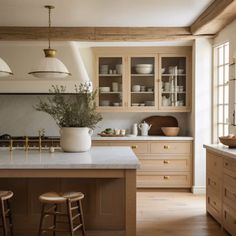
(104, 89)
(105, 103)
(116, 104)
(144, 68)
(163, 70)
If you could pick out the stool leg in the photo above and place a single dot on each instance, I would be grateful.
(79, 203)
(4, 223)
(69, 212)
(41, 220)
(55, 220)
(10, 217)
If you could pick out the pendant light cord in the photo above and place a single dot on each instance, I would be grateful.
(49, 27)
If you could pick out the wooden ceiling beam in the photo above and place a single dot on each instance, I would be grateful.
(219, 14)
(96, 33)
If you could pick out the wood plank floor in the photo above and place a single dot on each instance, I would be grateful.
(174, 213)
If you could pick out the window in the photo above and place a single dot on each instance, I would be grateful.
(221, 91)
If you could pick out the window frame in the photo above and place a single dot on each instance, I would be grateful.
(223, 65)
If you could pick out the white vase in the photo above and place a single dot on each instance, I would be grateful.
(75, 139)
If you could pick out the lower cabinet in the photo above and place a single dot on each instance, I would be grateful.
(221, 190)
(164, 164)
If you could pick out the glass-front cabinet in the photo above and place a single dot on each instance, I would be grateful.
(174, 82)
(147, 81)
(110, 82)
(142, 87)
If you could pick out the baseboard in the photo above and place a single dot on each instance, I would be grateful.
(199, 189)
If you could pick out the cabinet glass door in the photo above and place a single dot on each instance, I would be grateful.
(142, 82)
(110, 81)
(173, 82)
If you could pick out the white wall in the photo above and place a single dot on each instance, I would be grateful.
(228, 34)
(201, 115)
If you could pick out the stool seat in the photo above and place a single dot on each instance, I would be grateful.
(4, 195)
(53, 197)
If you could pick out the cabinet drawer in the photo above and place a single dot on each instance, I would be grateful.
(165, 164)
(229, 191)
(214, 184)
(164, 179)
(100, 143)
(171, 147)
(138, 147)
(214, 206)
(214, 164)
(230, 164)
(229, 219)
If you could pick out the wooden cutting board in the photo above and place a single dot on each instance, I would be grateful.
(158, 122)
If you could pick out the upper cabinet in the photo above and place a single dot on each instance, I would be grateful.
(143, 79)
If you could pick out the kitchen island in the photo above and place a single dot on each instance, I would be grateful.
(106, 175)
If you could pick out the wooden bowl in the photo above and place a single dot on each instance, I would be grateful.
(228, 141)
(170, 131)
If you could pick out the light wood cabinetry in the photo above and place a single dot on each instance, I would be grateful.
(164, 164)
(221, 190)
(143, 79)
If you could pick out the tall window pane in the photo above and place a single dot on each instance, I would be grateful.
(221, 83)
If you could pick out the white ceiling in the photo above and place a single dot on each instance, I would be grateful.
(156, 13)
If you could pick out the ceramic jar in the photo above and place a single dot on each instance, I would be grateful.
(75, 139)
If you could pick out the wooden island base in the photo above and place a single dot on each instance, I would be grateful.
(109, 204)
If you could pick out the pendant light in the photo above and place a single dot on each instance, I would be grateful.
(50, 67)
(4, 69)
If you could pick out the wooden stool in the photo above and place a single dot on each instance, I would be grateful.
(68, 199)
(6, 211)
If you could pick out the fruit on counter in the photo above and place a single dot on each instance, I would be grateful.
(107, 131)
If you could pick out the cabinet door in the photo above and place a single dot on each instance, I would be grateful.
(110, 82)
(174, 82)
(142, 84)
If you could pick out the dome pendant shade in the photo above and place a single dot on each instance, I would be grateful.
(4, 69)
(50, 67)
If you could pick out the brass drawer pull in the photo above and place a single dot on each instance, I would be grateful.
(166, 162)
(134, 146)
(166, 146)
(166, 177)
(226, 163)
(214, 203)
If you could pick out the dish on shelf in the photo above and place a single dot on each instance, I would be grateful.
(180, 71)
(163, 70)
(104, 89)
(228, 141)
(116, 104)
(143, 68)
(105, 103)
(170, 131)
(135, 104)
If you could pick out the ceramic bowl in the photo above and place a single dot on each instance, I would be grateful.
(143, 68)
(170, 131)
(105, 103)
(180, 71)
(104, 89)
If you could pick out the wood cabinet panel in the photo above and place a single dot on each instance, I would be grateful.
(229, 219)
(166, 164)
(214, 206)
(164, 179)
(214, 184)
(165, 147)
(214, 164)
(159, 168)
(230, 164)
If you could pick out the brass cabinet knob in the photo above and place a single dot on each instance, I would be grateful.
(226, 163)
(166, 146)
(166, 177)
(134, 146)
(214, 203)
(166, 162)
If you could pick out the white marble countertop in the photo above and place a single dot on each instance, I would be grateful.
(221, 150)
(97, 158)
(144, 138)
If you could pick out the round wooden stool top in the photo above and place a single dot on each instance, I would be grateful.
(4, 195)
(53, 197)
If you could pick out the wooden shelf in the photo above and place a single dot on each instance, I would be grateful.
(173, 92)
(110, 75)
(142, 75)
(110, 92)
(173, 74)
(142, 92)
